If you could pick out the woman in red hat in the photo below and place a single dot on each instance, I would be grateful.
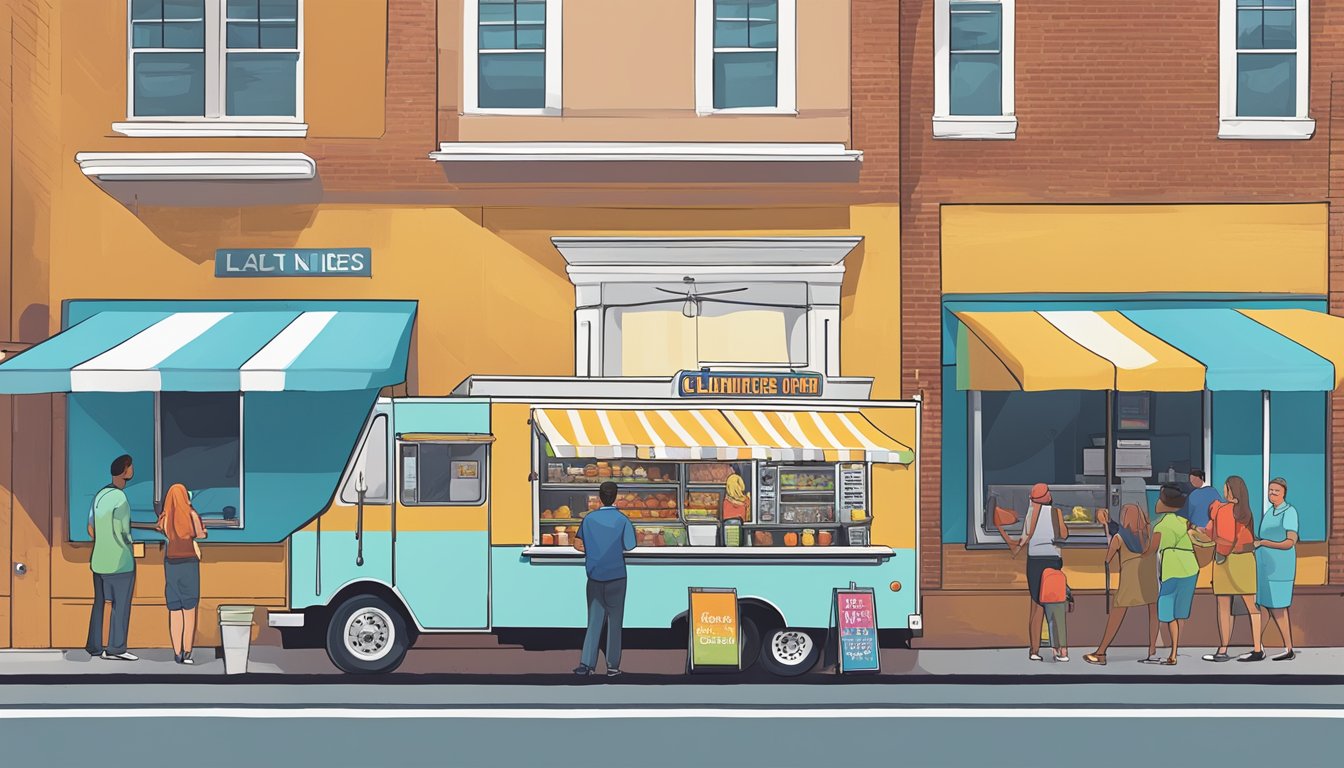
(1041, 531)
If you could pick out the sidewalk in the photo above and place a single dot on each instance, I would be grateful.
(491, 663)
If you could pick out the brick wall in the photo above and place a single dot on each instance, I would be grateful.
(875, 95)
(1116, 103)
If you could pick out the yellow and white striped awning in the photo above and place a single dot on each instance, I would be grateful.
(818, 436)
(718, 435)
(640, 434)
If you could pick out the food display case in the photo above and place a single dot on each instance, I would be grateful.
(1077, 503)
(682, 503)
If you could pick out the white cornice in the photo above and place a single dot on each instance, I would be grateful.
(197, 166)
(621, 151)
(640, 253)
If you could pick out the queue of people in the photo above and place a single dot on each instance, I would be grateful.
(113, 566)
(1253, 566)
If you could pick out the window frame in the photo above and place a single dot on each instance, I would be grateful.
(215, 122)
(1300, 126)
(242, 466)
(362, 444)
(786, 62)
(977, 516)
(398, 458)
(471, 64)
(949, 126)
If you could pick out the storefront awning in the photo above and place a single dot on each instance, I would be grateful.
(250, 347)
(723, 435)
(1153, 350)
(818, 436)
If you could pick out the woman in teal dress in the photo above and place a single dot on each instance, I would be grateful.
(1276, 564)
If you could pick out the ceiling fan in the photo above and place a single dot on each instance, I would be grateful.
(691, 307)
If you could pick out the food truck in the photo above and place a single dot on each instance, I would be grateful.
(459, 513)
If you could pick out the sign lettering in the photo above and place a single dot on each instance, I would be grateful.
(311, 262)
(856, 624)
(715, 628)
(734, 384)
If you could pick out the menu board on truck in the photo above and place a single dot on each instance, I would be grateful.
(856, 628)
(714, 640)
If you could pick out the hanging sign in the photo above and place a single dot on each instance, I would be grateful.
(294, 262)
(739, 384)
(715, 629)
(856, 624)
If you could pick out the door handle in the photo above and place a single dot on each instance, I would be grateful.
(20, 568)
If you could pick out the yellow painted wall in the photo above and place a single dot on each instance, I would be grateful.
(343, 78)
(1134, 248)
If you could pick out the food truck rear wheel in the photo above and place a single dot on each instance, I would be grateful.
(367, 636)
(789, 652)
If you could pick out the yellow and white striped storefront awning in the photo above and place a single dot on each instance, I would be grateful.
(723, 435)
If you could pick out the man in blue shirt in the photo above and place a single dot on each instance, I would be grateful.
(604, 537)
(1197, 503)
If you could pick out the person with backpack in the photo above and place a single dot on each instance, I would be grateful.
(1178, 570)
(1042, 531)
(1234, 575)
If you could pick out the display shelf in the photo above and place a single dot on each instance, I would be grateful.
(619, 483)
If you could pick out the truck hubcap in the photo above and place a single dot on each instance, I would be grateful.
(789, 646)
(369, 634)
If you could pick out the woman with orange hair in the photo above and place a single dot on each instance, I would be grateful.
(181, 526)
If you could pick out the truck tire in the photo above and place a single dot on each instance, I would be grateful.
(367, 636)
(789, 652)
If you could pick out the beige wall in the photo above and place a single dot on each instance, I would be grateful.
(631, 77)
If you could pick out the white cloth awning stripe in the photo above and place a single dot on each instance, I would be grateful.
(130, 366)
(562, 449)
(265, 371)
(696, 451)
(844, 453)
(777, 453)
(1091, 331)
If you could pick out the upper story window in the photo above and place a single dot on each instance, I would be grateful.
(180, 67)
(973, 69)
(746, 53)
(512, 56)
(1263, 69)
(215, 61)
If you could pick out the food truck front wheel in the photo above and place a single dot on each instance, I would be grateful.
(366, 635)
(789, 652)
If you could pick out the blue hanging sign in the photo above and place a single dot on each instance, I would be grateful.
(294, 262)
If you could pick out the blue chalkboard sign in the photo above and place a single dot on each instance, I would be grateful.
(856, 629)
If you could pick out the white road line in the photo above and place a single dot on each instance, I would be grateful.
(660, 714)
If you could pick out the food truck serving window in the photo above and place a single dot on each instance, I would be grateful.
(200, 446)
(443, 473)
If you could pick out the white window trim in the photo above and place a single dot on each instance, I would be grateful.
(949, 126)
(1230, 126)
(600, 266)
(471, 63)
(214, 122)
(786, 99)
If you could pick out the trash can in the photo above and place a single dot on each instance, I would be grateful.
(235, 632)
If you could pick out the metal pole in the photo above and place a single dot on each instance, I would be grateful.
(1109, 464)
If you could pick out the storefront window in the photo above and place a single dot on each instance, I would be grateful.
(1059, 438)
(443, 474)
(200, 447)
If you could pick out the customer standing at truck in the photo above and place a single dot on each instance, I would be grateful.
(604, 537)
(113, 564)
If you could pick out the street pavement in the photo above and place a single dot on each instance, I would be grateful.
(601, 723)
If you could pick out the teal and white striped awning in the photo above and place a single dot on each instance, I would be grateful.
(221, 347)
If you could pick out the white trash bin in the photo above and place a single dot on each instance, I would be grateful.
(235, 632)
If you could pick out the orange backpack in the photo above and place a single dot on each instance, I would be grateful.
(1054, 587)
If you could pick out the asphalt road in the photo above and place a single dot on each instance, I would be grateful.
(369, 726)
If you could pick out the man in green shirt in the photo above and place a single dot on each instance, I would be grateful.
(112, 563)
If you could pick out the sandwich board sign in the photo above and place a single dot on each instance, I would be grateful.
(855, 611)
(715, 636)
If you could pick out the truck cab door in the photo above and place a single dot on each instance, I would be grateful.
(442, 543)
(350, 541)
